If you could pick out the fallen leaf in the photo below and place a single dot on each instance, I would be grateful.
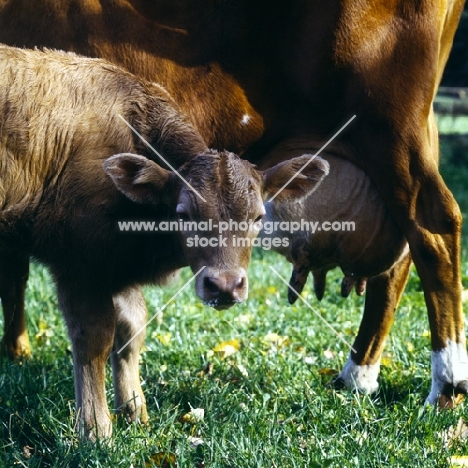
(195, 441)
(227, 348)
(310, 360)
(244, 319)
(44, 333)
(164, 339)
(386, 360)
(328, 371)
(162, 460)
(242, 370)
(276, 340)
(458, 460)
(458, 433)
(206, 371)
(194, 416)
(329, 354)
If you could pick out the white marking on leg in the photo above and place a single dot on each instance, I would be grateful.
(361, 378)
(449, 366)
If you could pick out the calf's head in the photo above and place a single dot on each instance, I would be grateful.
(217, 199)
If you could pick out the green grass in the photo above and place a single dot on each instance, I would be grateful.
(270, 404)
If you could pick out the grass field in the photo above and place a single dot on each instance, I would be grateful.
(260, 372)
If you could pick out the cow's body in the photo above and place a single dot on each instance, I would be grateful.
(69, 174)
(349, 228)
(253, 74)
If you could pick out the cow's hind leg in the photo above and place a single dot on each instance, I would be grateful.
(90, 318)
(382, 297)
(129, 337)
(14, 272)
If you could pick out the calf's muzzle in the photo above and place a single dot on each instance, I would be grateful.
(223, 290)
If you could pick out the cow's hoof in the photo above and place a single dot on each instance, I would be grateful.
(339, 384)
(360, 378)
(449, 376)
(450, 396)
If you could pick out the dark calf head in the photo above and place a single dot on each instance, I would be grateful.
(218, 206)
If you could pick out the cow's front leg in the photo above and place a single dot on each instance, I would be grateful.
(406, 174)
(129, 337)
(90, 318)
(382, 297)
(14, 272)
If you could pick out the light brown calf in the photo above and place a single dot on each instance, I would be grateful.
(69, 174)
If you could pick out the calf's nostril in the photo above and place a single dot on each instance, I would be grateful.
(211, 284)
(238, 283)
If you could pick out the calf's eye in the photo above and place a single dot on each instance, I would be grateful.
(182, 214)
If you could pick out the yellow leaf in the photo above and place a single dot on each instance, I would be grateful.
(327, 371)
(276, 340)
(194, 416)
(44, 333)
(386, 360)
(244, 319)
(162, 460)
(227, 348)
(458, 460)
(410, 347)
(164, 339)
(271, 290)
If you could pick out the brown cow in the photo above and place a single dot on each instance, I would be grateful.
(59, 125)
(252, 73)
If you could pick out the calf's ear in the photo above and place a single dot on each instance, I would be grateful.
(294, 179)
(138, 178)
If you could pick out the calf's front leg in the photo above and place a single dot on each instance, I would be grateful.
(131, 315)
(90, 318)
(14, 272)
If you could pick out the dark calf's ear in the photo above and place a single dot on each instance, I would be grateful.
(138, 178)
(294, 179)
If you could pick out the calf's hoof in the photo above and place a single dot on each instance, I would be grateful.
(16, 350)
(97, 430)
(133, 411)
